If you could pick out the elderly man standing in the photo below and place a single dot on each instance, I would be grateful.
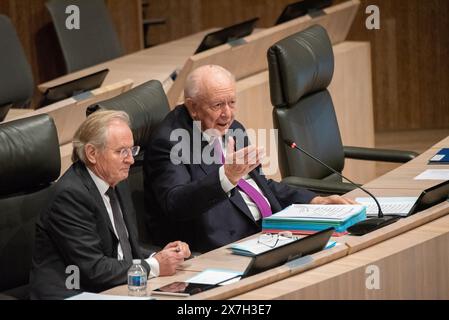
(210, 203)
(90, 221)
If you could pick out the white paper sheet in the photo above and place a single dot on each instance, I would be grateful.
(97, 296)
(319, 212)
(214, 276)
(433, 174)
(390, 205)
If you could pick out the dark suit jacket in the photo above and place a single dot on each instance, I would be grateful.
(75, 229)
(186, 200)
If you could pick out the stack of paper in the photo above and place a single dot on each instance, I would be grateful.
(401, 206)
(307, 218)
(253, 247)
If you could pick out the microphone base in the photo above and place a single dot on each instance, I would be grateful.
(371, 224)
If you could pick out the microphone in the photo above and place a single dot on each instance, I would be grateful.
(362, 227)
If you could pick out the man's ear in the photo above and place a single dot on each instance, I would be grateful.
(191, 107)
(91, 153)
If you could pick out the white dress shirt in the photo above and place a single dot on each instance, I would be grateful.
(103, 186)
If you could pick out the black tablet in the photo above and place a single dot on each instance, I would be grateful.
(182, 289)
(301, 8)
(228, 34)
(74, 87)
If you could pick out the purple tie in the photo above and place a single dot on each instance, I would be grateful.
(255, 196)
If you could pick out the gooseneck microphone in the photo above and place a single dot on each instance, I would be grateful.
(364, 226)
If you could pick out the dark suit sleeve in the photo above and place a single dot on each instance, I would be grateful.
(72, 227)
(287, 195)
(179, 195)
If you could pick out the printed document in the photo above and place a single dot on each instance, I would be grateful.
(433, 174)
(390, 205)
(319, 212)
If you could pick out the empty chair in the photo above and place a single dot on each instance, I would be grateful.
(16, 79)
(29, 163)
(146, 106)
(300, 69)
(94, 42)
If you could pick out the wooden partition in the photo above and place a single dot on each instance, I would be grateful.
(250, 58)
(350, 88)
(36, 33)
(69, 113)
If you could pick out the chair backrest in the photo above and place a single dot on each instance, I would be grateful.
(29, 163)
(94, 42)
(147, 106)
(16, 78)
(300, 69)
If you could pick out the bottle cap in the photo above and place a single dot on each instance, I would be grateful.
(137, 261)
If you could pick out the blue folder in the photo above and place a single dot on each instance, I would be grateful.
(441, 157)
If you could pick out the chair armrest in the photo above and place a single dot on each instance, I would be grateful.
(322, 187)
(378, 154)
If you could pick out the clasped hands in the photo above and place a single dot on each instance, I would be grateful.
(171, 257)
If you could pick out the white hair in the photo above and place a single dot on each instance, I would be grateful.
(94, 131)
(194, 81)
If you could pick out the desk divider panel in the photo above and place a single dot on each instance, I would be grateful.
(250, 58)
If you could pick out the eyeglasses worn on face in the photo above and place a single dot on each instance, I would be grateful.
(126, 152)
(272, 240)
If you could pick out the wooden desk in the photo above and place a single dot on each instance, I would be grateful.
(411, 254)
(209, 260)
(413, 265)
(69, 113)
(154, 63)
(249, 59)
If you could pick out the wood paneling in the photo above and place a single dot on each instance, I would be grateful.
(410, 62)
(409, 53)
(33, 24)
(185, 17)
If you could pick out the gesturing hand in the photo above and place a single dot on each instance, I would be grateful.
(240, 163)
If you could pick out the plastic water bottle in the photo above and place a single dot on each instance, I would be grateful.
(137, 279)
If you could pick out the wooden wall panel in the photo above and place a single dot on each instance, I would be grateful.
(410, 62)
(127, 18)
(33, 24)
(409, 53)
(186, 17)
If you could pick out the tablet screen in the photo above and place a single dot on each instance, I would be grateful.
(183, 289)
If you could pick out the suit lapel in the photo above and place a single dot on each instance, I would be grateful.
(208, 168)
(235, 198)
(89, 183)
(239, 202)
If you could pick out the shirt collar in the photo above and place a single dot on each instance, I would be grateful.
(102, 185)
